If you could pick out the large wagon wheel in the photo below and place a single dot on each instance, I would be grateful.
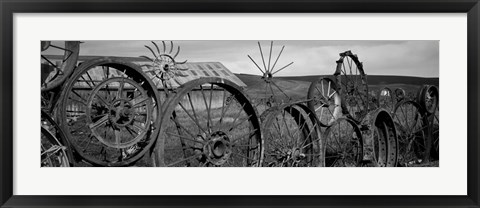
(55, 73)
(209, 122)
(53, 144)
(324, 100)
(352, 85)
(109, 112)
(413, 133)
(385, 99)
(292, 137)
(343, 144)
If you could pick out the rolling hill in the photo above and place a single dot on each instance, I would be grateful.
(297, 87)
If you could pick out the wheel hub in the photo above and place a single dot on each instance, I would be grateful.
(121, 112)
(218, 148)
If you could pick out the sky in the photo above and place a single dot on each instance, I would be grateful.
(311, 57)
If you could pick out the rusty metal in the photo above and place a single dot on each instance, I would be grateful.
(352, 85)
(53, 144)
(414, 140)
(110, 112)
(380, 138)
(53, 74)
(428, 98)
(127, 111)
(400, 95)
(209, 122)
(270, 98)
(434, 121)
(343, 143)
(292, 137)
(325, 101)
(163, 65)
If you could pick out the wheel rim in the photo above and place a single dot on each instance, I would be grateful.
(53, 148)
(352, 85)
(209, 122)
(343, 144)
(429, 98)
(52, 152)
(127, 112)
(54, 74)
(324, 101)
(380, 139)
(291, 135)
(96, 112)
(412, 131)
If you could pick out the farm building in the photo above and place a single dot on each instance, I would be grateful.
(195, 69)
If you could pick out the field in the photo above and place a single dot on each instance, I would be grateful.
(297, 87)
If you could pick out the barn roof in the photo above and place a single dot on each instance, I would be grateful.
(194, 70)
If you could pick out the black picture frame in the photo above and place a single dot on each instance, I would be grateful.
(10, 7)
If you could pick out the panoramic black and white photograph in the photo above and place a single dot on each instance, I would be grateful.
(240, 103)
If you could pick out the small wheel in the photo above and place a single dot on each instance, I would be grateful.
(385, 99)
(352, 85)
(292, 135)
(163, 65)
(53, 148)
(428, 98)
(209, 122)
(54, 74)
(413, 133)
(400, 95)
(324, 101)
(343, 144)
(109, 110)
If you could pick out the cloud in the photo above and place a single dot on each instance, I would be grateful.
(310, 57)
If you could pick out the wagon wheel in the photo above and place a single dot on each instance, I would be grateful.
(209, 122)
(400, 95)
(54, 74)
(292, 137)
(413, 133)
(428, 98)
(53, 145)
(343, 144)
(273, 94)
(324, 101)
(352, 85)
(385, 99)
(109, 112)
